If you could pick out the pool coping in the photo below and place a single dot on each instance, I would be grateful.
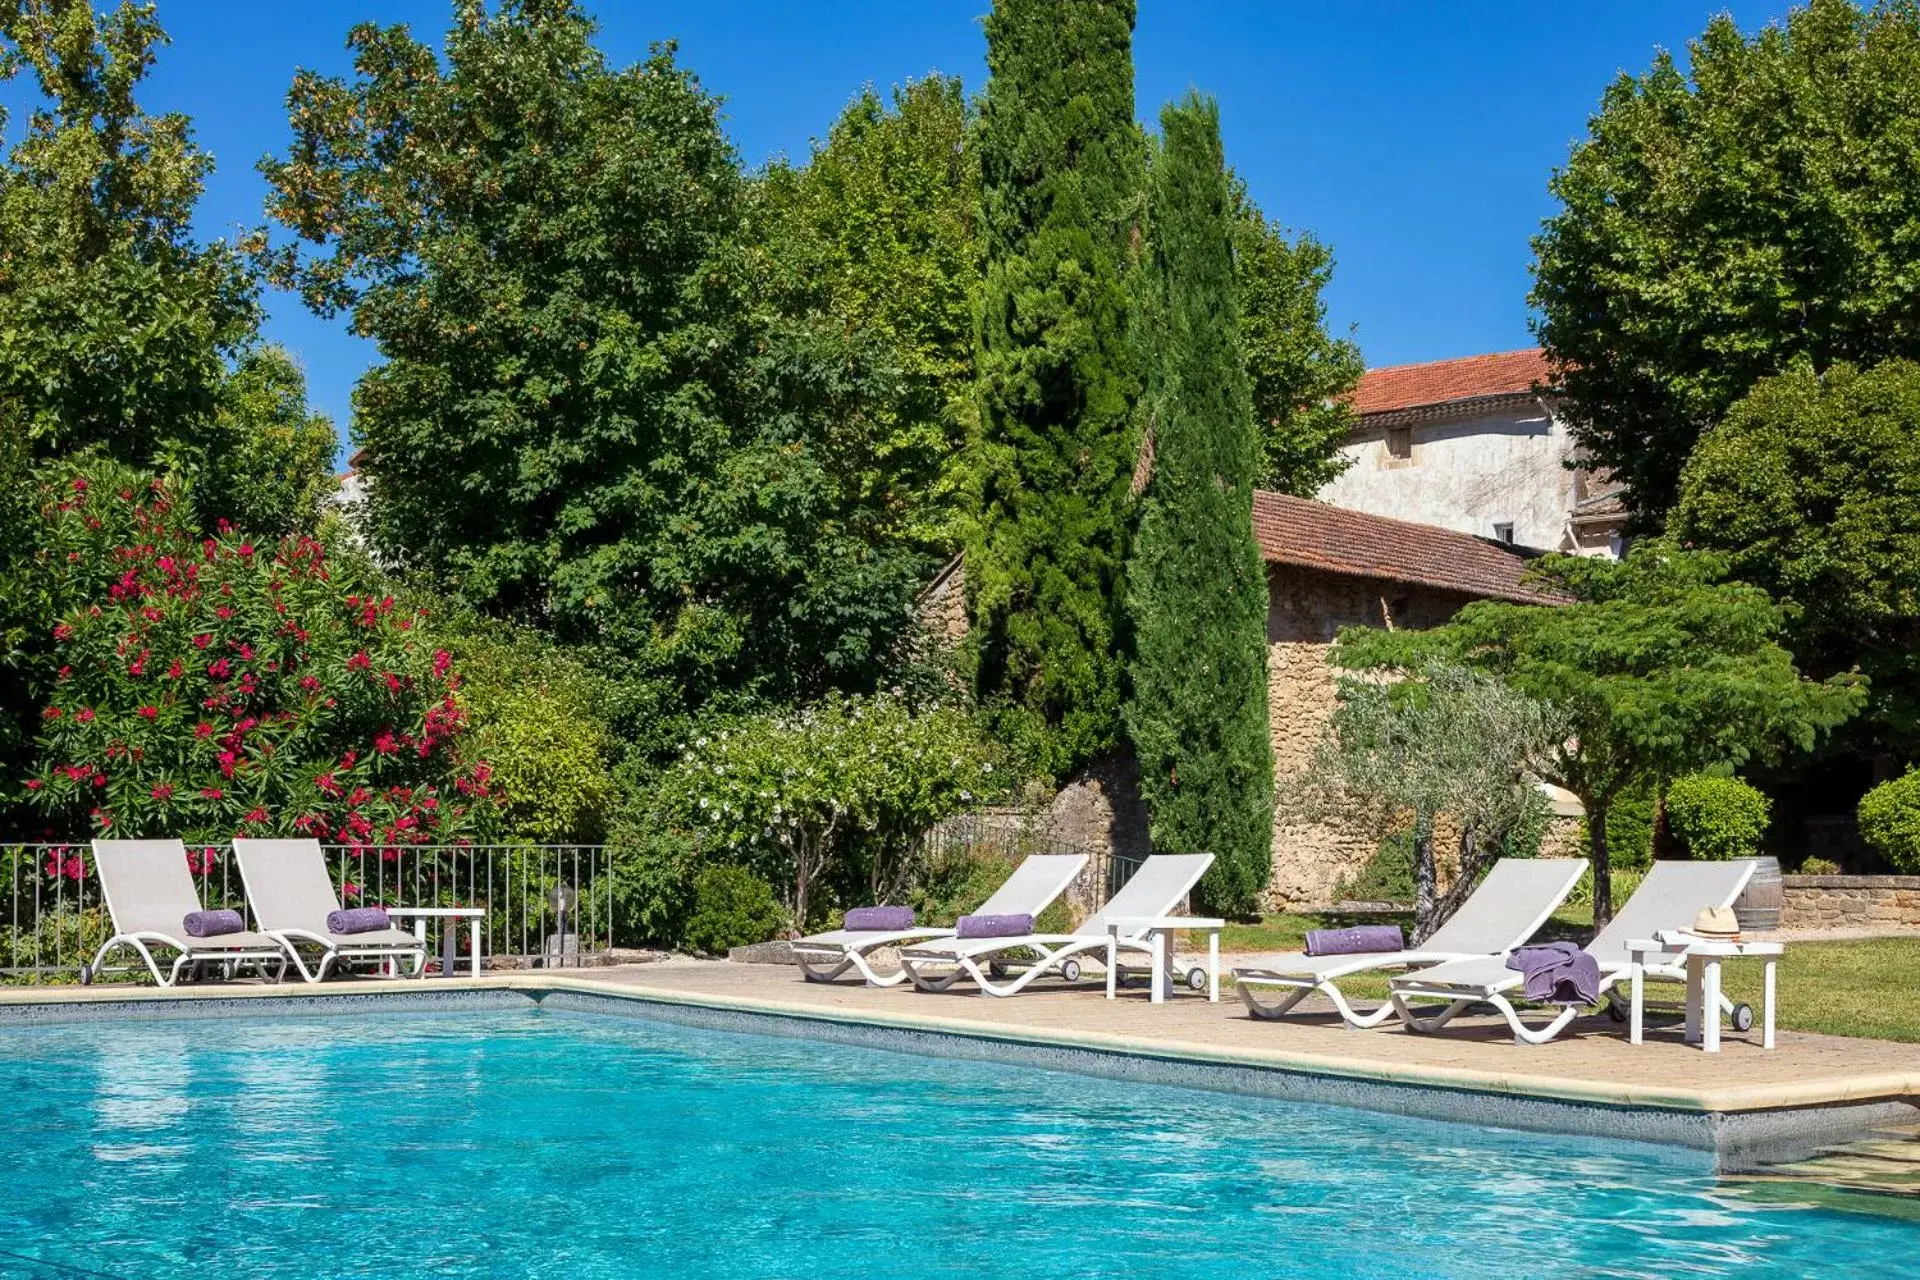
(1743, 1124)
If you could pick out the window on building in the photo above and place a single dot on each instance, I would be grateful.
(1400, 443)
(1503, 531)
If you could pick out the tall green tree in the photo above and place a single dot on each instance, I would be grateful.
(1300, 372)
(1720, 223)
(1397, 754)
(1061, 162)
(119, 331)
(877, 234)
(1657, 665)
(1196, 590)
(1810, 488)
(591, 416)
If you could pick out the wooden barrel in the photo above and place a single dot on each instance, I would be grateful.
(1758, 909)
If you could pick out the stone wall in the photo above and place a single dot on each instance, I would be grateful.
(1305, 611)
(1851, 902)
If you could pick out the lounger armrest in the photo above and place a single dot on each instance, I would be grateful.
(291, 936)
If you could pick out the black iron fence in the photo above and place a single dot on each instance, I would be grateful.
(542, 904)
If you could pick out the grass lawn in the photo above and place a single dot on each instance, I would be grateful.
(1865, 987)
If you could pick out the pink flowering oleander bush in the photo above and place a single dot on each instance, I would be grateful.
(213, 686)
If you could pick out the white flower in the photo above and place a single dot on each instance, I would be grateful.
(987, 767)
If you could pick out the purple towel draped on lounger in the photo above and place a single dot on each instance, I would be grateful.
(1558, 973)
(357, 920)
(878, 919)
(1359, 940)
(993, 927)
(213, 924)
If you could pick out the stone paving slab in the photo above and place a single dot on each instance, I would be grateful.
(1591, 1061)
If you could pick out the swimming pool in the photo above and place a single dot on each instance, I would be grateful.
(566, 1144)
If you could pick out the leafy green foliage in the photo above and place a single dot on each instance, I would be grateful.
(1890, 821)
(212, 687)
(1447, 740)
(1300, 373)
(1197, 595)
(1717, 818)
(119, 333)
(586, 419)
(1811, 489)
(876, 234)
(1657, 665)
(1716, 229)
(836, 794)
(269, 463)
(538, 717)
(732, 907)
(1061, 161)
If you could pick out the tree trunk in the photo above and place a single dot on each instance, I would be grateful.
(1473, 856)
(1597, 855)
(1425, 886)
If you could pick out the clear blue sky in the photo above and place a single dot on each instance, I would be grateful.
(1414, 137)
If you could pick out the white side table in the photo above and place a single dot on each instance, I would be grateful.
(474, 916)
(1703, 958)
(1159, 930)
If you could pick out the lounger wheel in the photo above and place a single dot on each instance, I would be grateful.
(86, 975)
(997, 970)
(1743, 1017)
(1197, 978)
(1616, 1011)
(1070, 970)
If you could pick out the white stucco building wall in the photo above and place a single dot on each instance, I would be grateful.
(1502, 470)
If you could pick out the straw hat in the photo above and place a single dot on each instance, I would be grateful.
(1718, 923)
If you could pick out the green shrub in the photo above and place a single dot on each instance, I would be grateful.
(1387, 876)
(1819, 867)
(1717, 818)
(1890, 821)
(732, 907)
(957, 880)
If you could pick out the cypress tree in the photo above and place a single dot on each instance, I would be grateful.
(1196, 590)
(1060, 165)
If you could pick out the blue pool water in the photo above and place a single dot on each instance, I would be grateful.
(577, 1146)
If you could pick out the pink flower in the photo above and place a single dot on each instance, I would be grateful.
(34, 784)
(149, 713)
(309, 683)
(84, 715)
(175, 671)
(79, 484)
(163, 792)
(246, 548)
(51, 713)
(227, 762)
(441, 661)
(219, 669)
(211, 793)
(62, 631)
(202, 640)
(360, 662)
(203, 730)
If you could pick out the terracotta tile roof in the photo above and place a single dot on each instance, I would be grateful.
(1415, 386)
(1313, 535)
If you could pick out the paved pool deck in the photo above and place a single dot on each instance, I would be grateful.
(1746, 1105)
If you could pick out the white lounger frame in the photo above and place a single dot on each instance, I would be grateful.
(1169, 878)
(1463, 996)
(335, 948)
(1032, 887)
(192, 951)
(1298, 984)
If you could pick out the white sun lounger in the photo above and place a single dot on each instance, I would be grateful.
(1511, 903)
(1034, 884)
(149, 893)
(292, 895)
(1161, 884)
(1669, 898)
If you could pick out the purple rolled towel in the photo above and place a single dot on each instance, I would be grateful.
(993, 927)
(357, 920)
(213, 924)
(878, 919)
(1361, 939)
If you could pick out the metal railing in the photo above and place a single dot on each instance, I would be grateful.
(57, 919)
